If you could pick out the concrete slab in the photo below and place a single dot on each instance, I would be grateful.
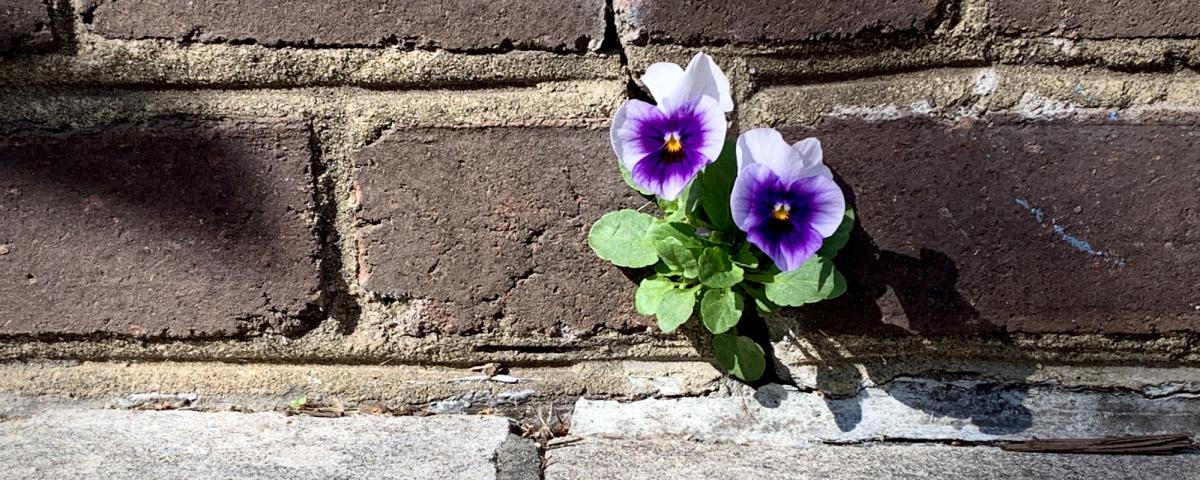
(913, 409)
(113, 444)
(597, 459)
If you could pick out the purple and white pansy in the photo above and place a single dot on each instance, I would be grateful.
(784, 197)
(665, 146)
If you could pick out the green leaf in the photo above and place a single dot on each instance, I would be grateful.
(815, 280)
(650, 293)
(675, 308)
(622, 238)
(740, 356)
(625, 174)
(720, 309)
(676, 256)
(717, 183)
(298, 402)
(746, 257)
(686, 234)
(717, 270)
(764, 305)
(839, 238)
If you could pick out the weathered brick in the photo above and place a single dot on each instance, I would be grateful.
(453, 24)
(167, 228)
(24, 26)
(490, 225)
(1098, 20)
(771, 21)
(1028, 226)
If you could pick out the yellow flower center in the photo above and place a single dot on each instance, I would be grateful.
(673, 145)
(782, 212)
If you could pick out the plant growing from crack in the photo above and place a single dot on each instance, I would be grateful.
(751, 223)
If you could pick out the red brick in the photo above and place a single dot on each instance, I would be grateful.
(772, 21)
(170, 228)
(1098, 20)
(24, 26)
(454, 24)
(948, 244)
(490, 225)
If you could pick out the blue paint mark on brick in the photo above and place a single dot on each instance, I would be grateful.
(1037, 212)
(1075, 242)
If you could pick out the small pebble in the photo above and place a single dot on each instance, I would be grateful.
(4, 250)
(1078, 209)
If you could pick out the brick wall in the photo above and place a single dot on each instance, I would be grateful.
(199, 179)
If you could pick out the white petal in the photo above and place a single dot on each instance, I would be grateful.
(812, 157)
(626, 132)
(662, 79)
(766, 147)
(704, 77)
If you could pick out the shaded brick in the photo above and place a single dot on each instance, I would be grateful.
(168, 228)
(490, 225)
(24, 26)
(1019, 225)
(759, 21)
(1098, 20)
(452, 24)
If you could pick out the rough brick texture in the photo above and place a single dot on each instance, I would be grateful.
(24, 26)
(451, 24)
(718, 21)
(490, 225)
(1019, 225)
(1098, 20)
(169, 228)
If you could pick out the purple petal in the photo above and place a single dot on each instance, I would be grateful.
(787, 247)
(814, 209)
(667, 175)
(634, 132)
(665, 147)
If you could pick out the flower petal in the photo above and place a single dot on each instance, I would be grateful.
(826, 205)
(748, 188)
(637, 129)
(668, 82)
(662, 79)
(701, 125)
(812, 157)
(789, 247)
(704, 77)
(666, 175)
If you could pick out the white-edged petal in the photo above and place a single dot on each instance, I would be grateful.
(812, 157)
(662, 79)
(828, 206)
(741, 199)
(626, 132)
(712, 118)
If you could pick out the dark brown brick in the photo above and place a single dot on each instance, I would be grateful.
(1098, 20)
(452, 24)
(24, 26)
(772, 21)
(490, 225)
(981, 225)
(169, 228)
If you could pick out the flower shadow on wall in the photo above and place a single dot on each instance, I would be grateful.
(922, 292)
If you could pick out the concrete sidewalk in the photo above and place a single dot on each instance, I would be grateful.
(610, 440)
(596, 458)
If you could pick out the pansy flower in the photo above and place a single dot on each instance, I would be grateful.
(664, 146)
(784, 197)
